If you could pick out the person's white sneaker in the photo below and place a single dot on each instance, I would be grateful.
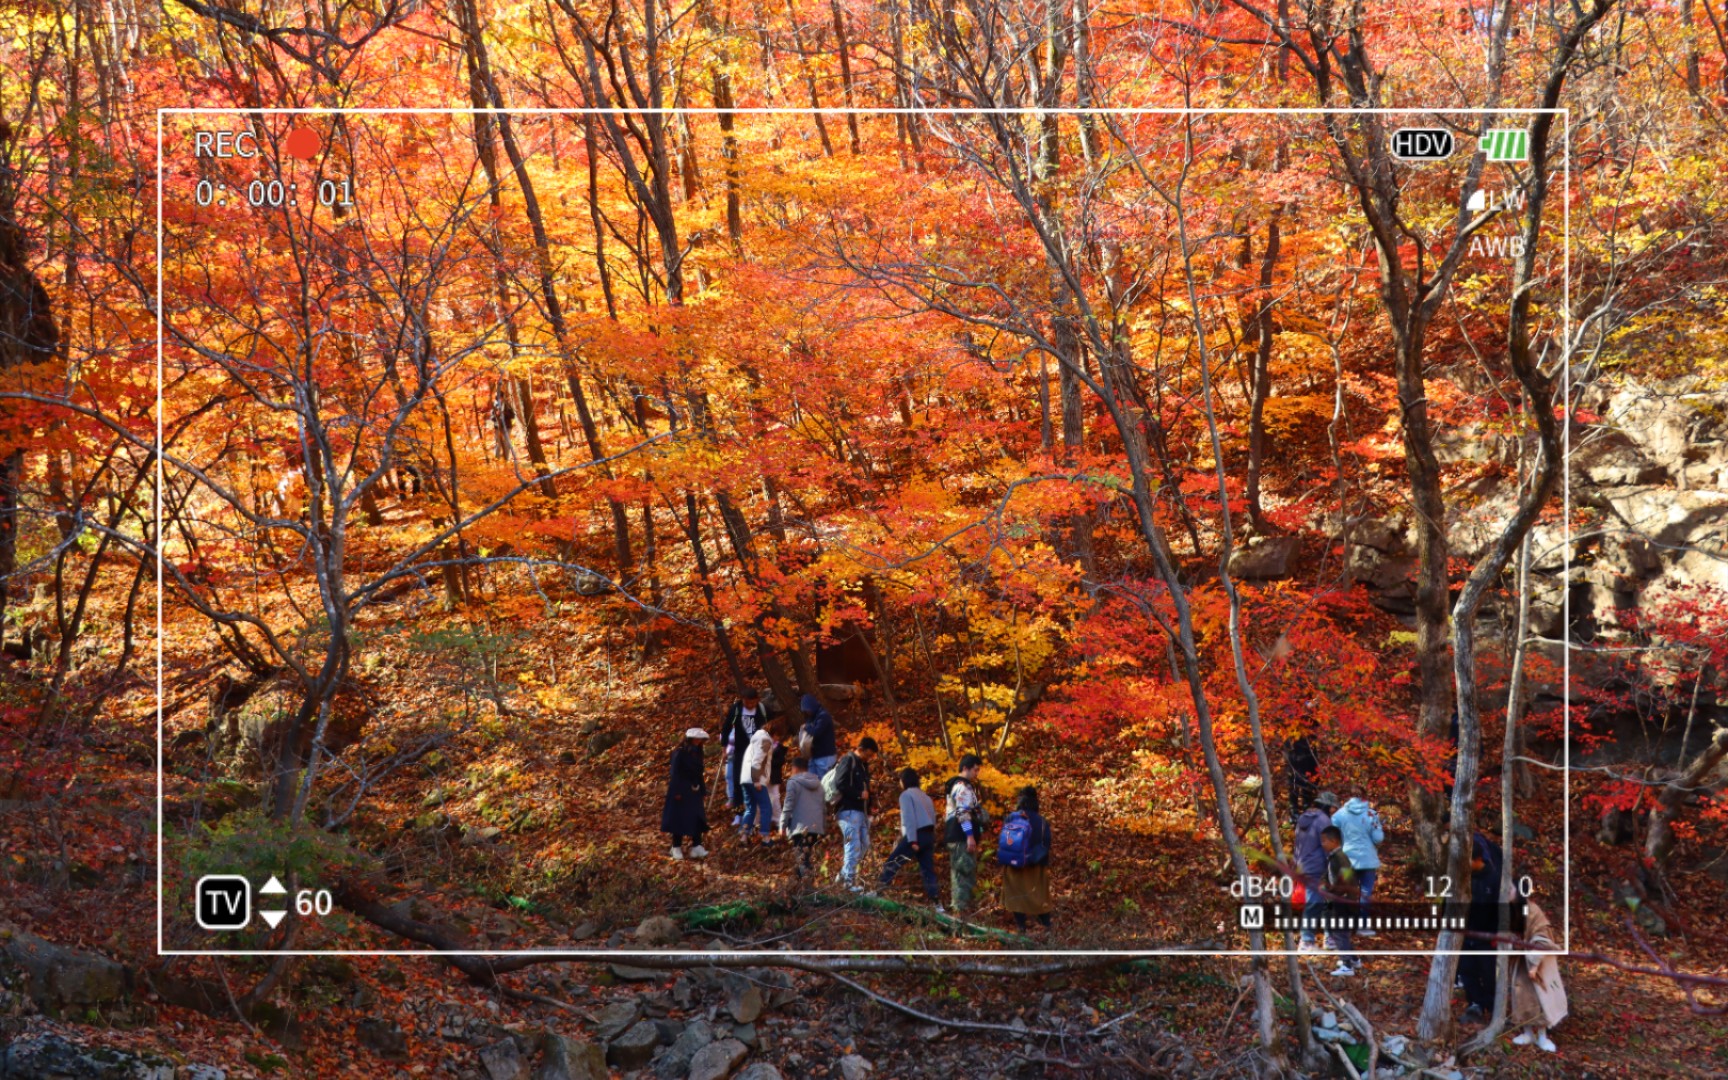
(677, 854)
(698, 852)
(1309, 945)
(1523, 1038)
(1343, 971)
(1547, 1044)
(940, 910)
(737, 821)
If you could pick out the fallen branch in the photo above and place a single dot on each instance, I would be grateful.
(930, 1018)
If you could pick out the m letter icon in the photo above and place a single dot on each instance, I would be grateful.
(224, 902)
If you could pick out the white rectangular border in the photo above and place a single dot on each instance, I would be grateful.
(1565, 114)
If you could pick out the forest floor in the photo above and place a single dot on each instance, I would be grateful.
(522, 837)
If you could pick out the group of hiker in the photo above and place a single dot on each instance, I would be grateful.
(1337, 864)
(784, 780)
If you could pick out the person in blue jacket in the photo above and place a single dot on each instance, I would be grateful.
(1363, 834)
(1311, 859)
(819, 725)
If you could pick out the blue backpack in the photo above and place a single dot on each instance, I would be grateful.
(1019, 844)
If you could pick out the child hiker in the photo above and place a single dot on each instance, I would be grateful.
(1343, 898)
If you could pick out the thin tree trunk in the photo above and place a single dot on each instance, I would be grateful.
(548, 285)
(809, 81)
(1260, 376)
(693, 530)
(844, 48)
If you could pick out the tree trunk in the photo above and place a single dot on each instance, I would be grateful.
(482, 73)
(843, 47)
(1659, 844)
(1260, 376)
(693, 530)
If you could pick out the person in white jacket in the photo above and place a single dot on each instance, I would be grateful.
(753, 778)
(1363, 835)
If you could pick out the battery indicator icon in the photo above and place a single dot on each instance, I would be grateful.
(1506, 144)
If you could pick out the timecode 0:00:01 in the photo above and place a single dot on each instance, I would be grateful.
(275, 193)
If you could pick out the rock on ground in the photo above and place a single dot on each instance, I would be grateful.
(717, 1060)
(383, 1036)
(617, 1017)
(503, 1061)
(743, 999)
(61, 980)
(632, 1049)
(761, 1070)
(673, 1063)
(45, 1056)
(563, 1058)
(1264, 559)
(657, 931)
(853, 1067)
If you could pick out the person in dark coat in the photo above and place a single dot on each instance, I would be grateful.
(1304, 765)
(819, 725)
(685, 815)
(1477, 967)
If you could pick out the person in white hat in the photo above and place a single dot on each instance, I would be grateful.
(686, 812)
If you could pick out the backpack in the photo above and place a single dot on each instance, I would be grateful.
(1019, 845)
(979, 816)
(837, 776)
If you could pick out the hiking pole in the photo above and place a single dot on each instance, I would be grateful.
(720, 783)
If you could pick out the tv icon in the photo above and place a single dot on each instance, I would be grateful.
(224, 902)
(1422, 144)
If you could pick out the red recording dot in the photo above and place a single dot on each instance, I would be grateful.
(303, 143)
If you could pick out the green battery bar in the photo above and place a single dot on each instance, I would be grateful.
(1506, 144)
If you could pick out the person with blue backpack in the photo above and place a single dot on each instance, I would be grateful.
(1023, 849)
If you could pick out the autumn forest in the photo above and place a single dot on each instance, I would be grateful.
(423, 424)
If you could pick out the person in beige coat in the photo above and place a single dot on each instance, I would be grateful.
(1538, 994)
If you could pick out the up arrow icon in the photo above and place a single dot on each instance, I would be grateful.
(274, 885)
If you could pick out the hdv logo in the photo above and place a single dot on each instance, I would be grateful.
(1422, 144)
